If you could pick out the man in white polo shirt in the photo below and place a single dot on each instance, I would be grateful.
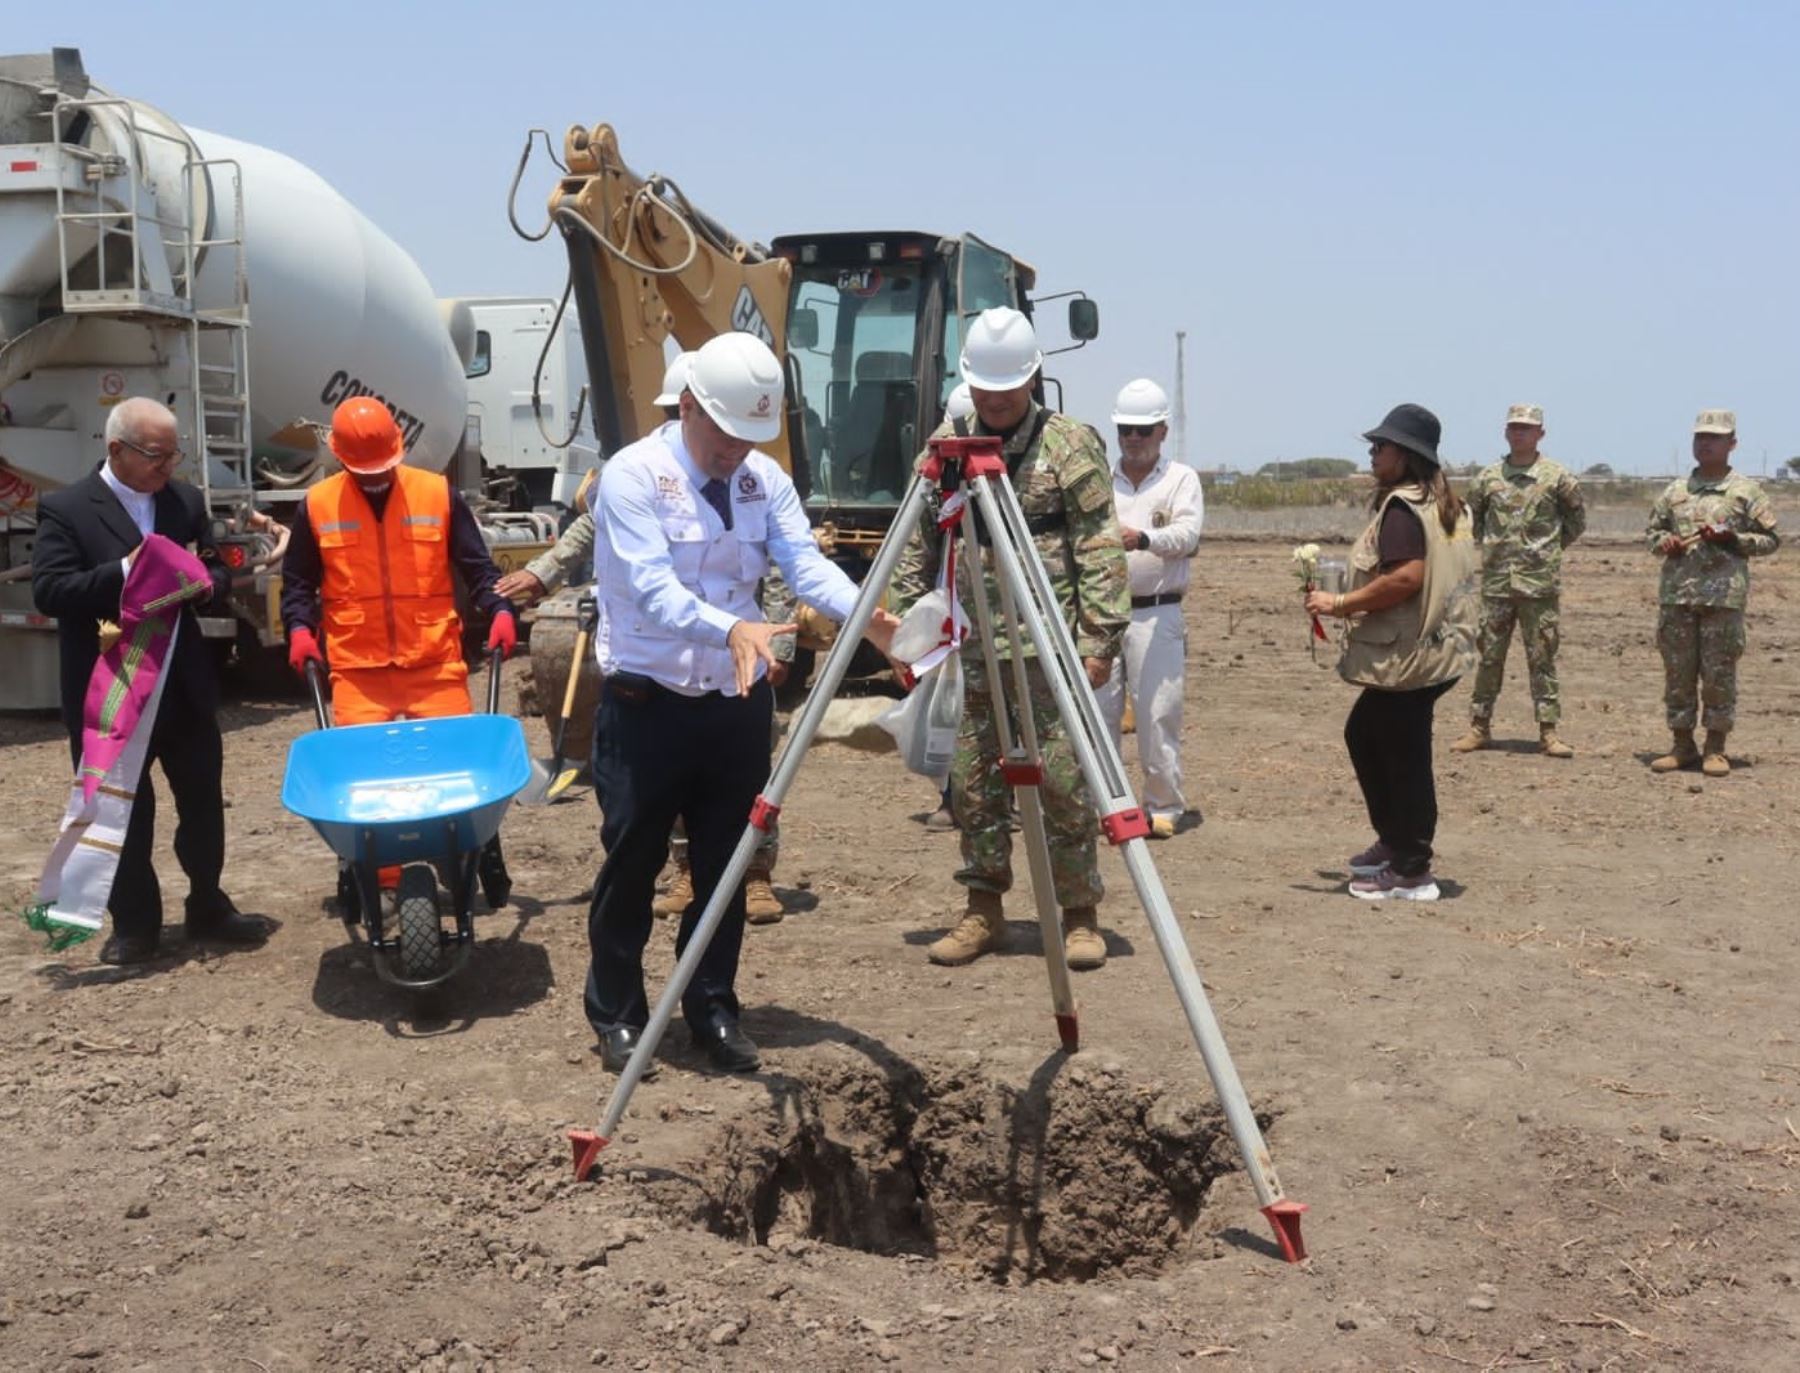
(1160, 509)
(688, 520)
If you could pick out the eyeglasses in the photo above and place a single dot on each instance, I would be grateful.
(1136, 431)
(1375, 449)
(169, 459)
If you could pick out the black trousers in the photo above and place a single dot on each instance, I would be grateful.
(1389, 736)
(186, 743)
(657, 756)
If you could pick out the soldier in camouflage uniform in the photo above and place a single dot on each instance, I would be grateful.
(1058, 468)
(1706, 528)
(1527, 509)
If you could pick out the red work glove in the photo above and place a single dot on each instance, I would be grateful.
(503, 635)
(303, 648)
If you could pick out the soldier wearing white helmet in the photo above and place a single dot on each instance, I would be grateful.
(1058, 466)
(1160, 509)
(960, 405)
(547, 573)
(674, 382)
(690, 518)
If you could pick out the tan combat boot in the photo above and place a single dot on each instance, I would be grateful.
(981, 930)
(1082, 943)
(1682, 754)
(1550, 745)
(1715, 763)
(1480, 735)
(761, 905)
(675, 898)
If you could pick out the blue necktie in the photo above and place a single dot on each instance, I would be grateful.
(718, 496)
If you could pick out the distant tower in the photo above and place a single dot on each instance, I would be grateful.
(1181, 449)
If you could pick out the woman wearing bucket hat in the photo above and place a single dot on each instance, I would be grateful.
(1411, 609)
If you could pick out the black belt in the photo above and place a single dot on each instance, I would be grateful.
(1146, 602)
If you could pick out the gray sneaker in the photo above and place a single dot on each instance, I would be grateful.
(1371, 860)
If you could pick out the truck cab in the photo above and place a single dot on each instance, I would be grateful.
(875, 324)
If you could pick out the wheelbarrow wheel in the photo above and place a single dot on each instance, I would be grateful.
(421, 947)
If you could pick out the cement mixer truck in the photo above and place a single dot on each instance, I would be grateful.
(141, 257)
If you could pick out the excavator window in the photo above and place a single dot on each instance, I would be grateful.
(858, 380)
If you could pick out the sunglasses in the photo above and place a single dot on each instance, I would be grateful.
(174, 455)
(1136, 431)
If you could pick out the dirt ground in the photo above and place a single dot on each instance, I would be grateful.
(1549, 1121)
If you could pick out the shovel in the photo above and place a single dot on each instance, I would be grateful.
(557, 779)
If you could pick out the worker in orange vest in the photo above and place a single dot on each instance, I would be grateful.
(370, 560)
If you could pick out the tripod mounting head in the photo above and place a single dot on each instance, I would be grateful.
(949, 461)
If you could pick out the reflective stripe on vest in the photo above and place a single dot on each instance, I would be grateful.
(387, 593)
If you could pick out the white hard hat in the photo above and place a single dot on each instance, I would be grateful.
(1141, 402)
(1001, 351)
(961, 404)
(675, 380)
(737, 382)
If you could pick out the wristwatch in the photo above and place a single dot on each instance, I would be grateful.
(1143, 541)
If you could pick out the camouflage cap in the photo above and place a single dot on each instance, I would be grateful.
(1525, 414)
(1715, 422)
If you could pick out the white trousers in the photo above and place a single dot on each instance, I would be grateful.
(1153, 661)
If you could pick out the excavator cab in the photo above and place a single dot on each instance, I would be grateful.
(875, 323)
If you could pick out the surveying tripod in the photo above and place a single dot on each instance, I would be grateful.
(969, 476)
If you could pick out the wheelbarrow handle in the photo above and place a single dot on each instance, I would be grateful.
(315, 679)
(495, 658)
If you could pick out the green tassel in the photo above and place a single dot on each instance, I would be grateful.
(61, 936)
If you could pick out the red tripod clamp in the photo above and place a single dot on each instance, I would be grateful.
(1022, 774)
(1123, 825)
(764, 813)
(950, 461)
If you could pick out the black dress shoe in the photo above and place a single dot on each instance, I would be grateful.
(729, 1048)
(221, 922)
(616, 1046)
(124, 950)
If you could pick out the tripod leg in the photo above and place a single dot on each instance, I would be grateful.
(1023, 766)
(587, 1144)
(1125, 825)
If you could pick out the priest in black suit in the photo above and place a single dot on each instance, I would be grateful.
(87, 535)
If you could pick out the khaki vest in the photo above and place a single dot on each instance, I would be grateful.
(1431, 637)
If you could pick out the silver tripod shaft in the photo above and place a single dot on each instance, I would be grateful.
(1104, 772)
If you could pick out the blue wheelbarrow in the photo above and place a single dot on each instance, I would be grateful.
(426, 796)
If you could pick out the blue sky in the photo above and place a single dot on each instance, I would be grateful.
(1593, 206)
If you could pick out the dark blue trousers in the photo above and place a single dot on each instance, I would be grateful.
(659, 755)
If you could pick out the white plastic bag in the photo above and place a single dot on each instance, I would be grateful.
(924, 725)
(922, 630)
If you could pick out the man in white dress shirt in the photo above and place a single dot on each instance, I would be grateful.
(688, 521)
(1160, 508)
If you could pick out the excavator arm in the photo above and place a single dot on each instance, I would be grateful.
(646, 265)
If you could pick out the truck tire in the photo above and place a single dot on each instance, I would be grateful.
(546, 677)
(421, 947)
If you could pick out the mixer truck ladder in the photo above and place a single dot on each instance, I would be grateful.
(127, 251)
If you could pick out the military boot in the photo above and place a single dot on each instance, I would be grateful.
(1715, 763)
(1082, 943)
(761, 905)
(1682, 754)
(676, 896)
(1478, 737)
(981, 930)
(1550, 745)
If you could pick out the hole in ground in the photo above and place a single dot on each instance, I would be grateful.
(1061, 1174)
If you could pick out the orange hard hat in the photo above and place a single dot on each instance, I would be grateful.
(365, 437)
